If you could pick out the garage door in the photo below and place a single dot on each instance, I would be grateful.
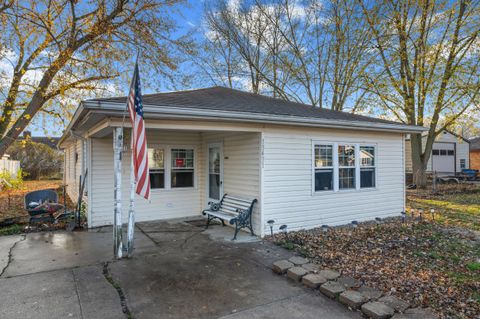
(443, 158)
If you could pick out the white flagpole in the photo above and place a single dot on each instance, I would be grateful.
(117, 218)
(131, 210)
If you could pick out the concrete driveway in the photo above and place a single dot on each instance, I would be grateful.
(179, 271)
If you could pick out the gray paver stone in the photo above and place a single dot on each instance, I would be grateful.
(348, 282)
(281, 266)
(296, 273)
(311, 267)
(424, 313)
(377, 310)
(352, 299)
(395, 303)
(298, 261)
(370, 293)
(313, 280)
(332, 289)
(329, 274)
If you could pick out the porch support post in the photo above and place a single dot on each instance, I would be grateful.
(131, 210)
(117, 188)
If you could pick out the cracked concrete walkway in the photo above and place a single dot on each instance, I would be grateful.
(179, 271)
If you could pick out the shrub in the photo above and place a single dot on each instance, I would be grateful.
(10, 182)
(37, 160)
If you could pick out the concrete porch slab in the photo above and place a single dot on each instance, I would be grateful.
(179, 270)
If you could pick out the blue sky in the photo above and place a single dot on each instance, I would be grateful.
(188, 16)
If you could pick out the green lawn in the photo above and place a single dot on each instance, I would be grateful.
(460, 209)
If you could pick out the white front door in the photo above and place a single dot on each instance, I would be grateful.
(215, 172)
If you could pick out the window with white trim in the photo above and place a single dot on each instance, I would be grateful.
(367, 166)
(182, 171)
(343, 166)
(346, 167)
(156, 163)
(323, 167)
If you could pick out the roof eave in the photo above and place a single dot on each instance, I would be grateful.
(161, 110)
(75, 118)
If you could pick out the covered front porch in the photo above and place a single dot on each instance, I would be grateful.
(190, 165)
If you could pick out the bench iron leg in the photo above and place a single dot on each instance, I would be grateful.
(208, 221)
(236, 231)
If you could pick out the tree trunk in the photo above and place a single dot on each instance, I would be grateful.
(419, 164)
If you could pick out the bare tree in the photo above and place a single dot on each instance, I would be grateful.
(60, 47)
(313, 53)
(428, 65)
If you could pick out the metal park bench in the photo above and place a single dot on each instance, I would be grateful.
(232, 209)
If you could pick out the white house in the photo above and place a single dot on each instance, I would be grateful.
(306, 166)
(450, 154)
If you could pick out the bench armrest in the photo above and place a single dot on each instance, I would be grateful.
(243, 216)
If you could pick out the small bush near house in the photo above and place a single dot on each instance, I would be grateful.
(37, 160)
(10, 182)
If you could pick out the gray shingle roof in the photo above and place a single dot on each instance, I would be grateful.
(475, 144)
(225, 99)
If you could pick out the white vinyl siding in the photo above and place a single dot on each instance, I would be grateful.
(288, 180)
(164, 203)
(241, 167)
(73, 168)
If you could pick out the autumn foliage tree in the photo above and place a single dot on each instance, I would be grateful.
(427, 63)
(58, 48)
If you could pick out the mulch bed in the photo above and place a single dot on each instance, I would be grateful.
(421, 262)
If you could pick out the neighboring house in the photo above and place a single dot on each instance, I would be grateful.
(52, 142)
(450, 154)
(475, 153)
(306, 166)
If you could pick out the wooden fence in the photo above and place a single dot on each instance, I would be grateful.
(11, 166)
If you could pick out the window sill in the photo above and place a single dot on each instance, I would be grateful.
(340, 191)
(161, 190)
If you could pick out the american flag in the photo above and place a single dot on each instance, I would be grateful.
(139, 138)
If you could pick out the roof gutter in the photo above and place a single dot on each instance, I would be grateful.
(156, 111)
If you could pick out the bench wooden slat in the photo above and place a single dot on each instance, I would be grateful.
(227, 210)
(234, 207)
(238, 199)
(235, 204)
(221, 215)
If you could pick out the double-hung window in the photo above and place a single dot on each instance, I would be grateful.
(182, 172)
(367, 166)
(323, 167)
(344, 166)
(156, 165)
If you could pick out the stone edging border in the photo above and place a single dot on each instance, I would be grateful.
(349, 291)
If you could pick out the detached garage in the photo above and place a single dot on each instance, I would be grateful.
(450, 154)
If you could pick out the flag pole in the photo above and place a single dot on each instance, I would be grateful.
(117, 218)
(131, 209)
